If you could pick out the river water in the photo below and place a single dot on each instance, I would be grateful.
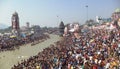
(9, 58)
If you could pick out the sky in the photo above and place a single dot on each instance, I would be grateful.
(51, 12)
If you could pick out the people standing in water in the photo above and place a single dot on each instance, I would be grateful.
(8, 43)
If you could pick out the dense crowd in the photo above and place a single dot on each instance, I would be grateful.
(8, 43)
(95, 49)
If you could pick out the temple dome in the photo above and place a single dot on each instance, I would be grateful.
(117, 10)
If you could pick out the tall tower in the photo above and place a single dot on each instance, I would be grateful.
(27, 27)
(61, 28)
(15, 23)
(27, 24)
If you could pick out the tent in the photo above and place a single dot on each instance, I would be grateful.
(12, 36)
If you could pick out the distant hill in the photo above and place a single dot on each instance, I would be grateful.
(3, 26)
(8, 29)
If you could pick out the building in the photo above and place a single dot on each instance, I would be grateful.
(37, 30)
(28, 25)
(61, 28)
(116, 14)
(15, 23)
(25, 29)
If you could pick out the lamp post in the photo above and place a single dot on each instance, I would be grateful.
(59, 18)
(87, 11)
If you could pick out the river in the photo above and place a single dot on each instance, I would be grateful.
(9, 58)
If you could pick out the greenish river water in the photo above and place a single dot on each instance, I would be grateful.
(9, 58)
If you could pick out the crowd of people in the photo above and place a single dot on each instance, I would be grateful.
(95, 49)
(12, 43)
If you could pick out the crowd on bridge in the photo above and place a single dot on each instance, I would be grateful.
(94, 49)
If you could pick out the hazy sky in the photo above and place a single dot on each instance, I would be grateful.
(45, 12)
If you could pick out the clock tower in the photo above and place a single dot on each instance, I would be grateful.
(15, 23)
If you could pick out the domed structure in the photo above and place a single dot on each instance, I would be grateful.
(117, 10)
(61, 25)
(116, 14)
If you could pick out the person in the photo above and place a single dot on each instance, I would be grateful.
(80, 50)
